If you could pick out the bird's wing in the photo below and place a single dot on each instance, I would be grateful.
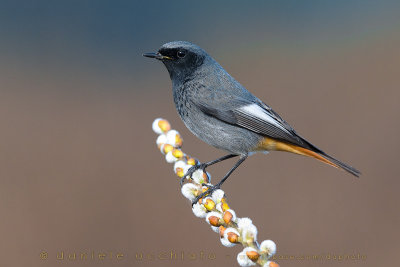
(255, 116)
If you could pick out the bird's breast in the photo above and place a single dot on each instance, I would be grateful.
(182, 102)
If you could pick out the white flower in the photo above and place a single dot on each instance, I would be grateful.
(269, 247)
(189, 190)
(179, 164)
(199, 210)
(198, 177)
(217, 195)
(170, 157)
(249, 231)
(172, 137)
(244, 222)
(228, 232)
(242, 258)
(161, 126)
(161, 139)
(156, 127)
(186, 168)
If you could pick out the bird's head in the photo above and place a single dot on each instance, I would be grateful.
(180, 58)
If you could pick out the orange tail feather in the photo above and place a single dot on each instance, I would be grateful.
(305, 152)
(271, 144)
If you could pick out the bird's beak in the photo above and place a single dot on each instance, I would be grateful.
(156, 56)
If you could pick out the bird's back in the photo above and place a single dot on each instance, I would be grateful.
(211, 84)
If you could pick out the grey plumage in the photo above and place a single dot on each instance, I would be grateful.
(219, 110)
(206, 98)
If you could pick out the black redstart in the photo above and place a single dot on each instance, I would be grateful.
(221, 112)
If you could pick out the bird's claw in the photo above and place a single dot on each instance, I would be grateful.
(191, 170)
(211, 189)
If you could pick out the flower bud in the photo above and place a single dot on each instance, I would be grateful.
(178, 140)
(232, 237)
(156, 127)
(213, 218)
(165, 148)
(179, 172)
(209, 204)
(191, 161)
(243, 259)
(177, 153)
(224, 205)
(164, 125)
(179, 168)
(253, 255)
(229, 216)
(214, 221)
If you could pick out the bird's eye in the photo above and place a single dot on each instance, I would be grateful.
(181, 54)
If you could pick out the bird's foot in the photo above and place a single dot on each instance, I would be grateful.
(191, 170)
(210, 190)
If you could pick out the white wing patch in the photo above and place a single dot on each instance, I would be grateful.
(254, 110)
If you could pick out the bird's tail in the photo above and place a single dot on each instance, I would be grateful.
(342, 165)
(313, 152)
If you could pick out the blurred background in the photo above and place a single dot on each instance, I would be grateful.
(79, 168)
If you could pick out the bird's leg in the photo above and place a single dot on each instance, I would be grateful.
(211, 189)
(203, 166)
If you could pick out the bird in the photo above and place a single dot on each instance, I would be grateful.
(221, 112)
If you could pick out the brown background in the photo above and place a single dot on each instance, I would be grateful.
(80, 171)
